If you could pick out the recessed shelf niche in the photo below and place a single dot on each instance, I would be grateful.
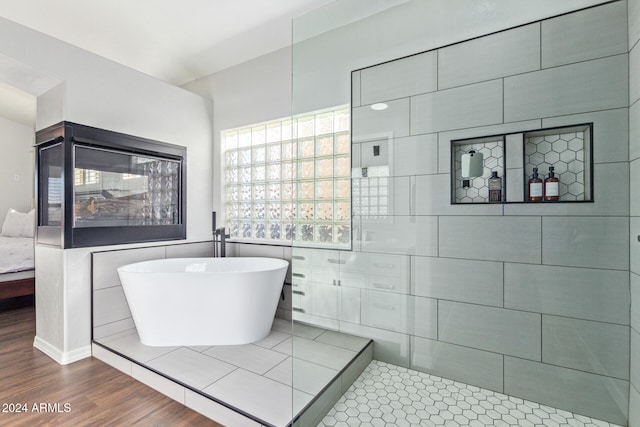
(568, 150)
(514, 155)
(493, 152)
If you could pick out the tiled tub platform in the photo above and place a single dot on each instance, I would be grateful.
(249, 385)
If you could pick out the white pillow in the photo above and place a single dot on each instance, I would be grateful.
(18, 224)
(29, 226)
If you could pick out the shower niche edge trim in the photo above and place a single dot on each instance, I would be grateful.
(519, 152)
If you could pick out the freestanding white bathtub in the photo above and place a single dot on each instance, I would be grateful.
(203, 301)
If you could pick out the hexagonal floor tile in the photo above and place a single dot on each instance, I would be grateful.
(428, 400)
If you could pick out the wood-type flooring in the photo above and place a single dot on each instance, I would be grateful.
(37, 391)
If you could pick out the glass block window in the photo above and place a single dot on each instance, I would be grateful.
(289, 180)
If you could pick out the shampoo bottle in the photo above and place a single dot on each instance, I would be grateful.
(535, 187)
(551, 186)
(495, 188)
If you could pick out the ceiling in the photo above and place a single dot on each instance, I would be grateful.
(175, 41)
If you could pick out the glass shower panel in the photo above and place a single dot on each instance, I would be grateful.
(529, 301)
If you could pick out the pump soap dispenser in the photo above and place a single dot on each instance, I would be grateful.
(495, 188)
(535, 187)
(551, 186)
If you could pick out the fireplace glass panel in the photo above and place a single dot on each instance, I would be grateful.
(123, 189)
(50, 184)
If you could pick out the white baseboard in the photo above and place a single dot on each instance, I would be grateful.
(62, 357)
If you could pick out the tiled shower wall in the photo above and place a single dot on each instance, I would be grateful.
(528, 299)
(634, 196)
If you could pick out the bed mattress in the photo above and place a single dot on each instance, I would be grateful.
(16, 254)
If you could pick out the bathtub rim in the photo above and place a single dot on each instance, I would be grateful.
(275, 264)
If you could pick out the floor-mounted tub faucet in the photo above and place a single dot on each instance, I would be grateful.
(220, 233)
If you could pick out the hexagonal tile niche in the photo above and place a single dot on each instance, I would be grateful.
(568, 151)
(478, 190)
(389, 395)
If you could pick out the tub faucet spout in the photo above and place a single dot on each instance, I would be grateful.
(220, 232)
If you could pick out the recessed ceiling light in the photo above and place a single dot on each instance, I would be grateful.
(379, 106)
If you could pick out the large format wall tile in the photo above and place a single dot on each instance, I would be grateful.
(190, 250)
(634, 78)
(515, 239)
(586, 86)
(390, 347)
(634, 243)
(634, 24)
(399, 195)
(600, 348)
(593, 395)
(634, 130)
(611, 196)
(109, 305)
(494, 329)
(158, 382)
(445, 138)
(306, 376)
(355, 89)
(503, 54)
(261, 251)
(599, 242)
(388, 311)
(368, 124)
(216, 411)
(106, 263)
(589, 34)
(583, 293)
(476, 367)
(514, 189)
(610, 132)
(399, 79)
(634, 194)
(415, 155)
(430, 196)
(426, 318)
(349, 304)
(100, 332)
(402, 235)
(462, 280)
(468, 106)
(635, 358)
(635, 299)
(634, 407)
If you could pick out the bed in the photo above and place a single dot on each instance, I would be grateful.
(17, 273)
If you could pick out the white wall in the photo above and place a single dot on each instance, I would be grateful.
(94, 91)
(255, 91)
(101, 93)
(16, 167)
